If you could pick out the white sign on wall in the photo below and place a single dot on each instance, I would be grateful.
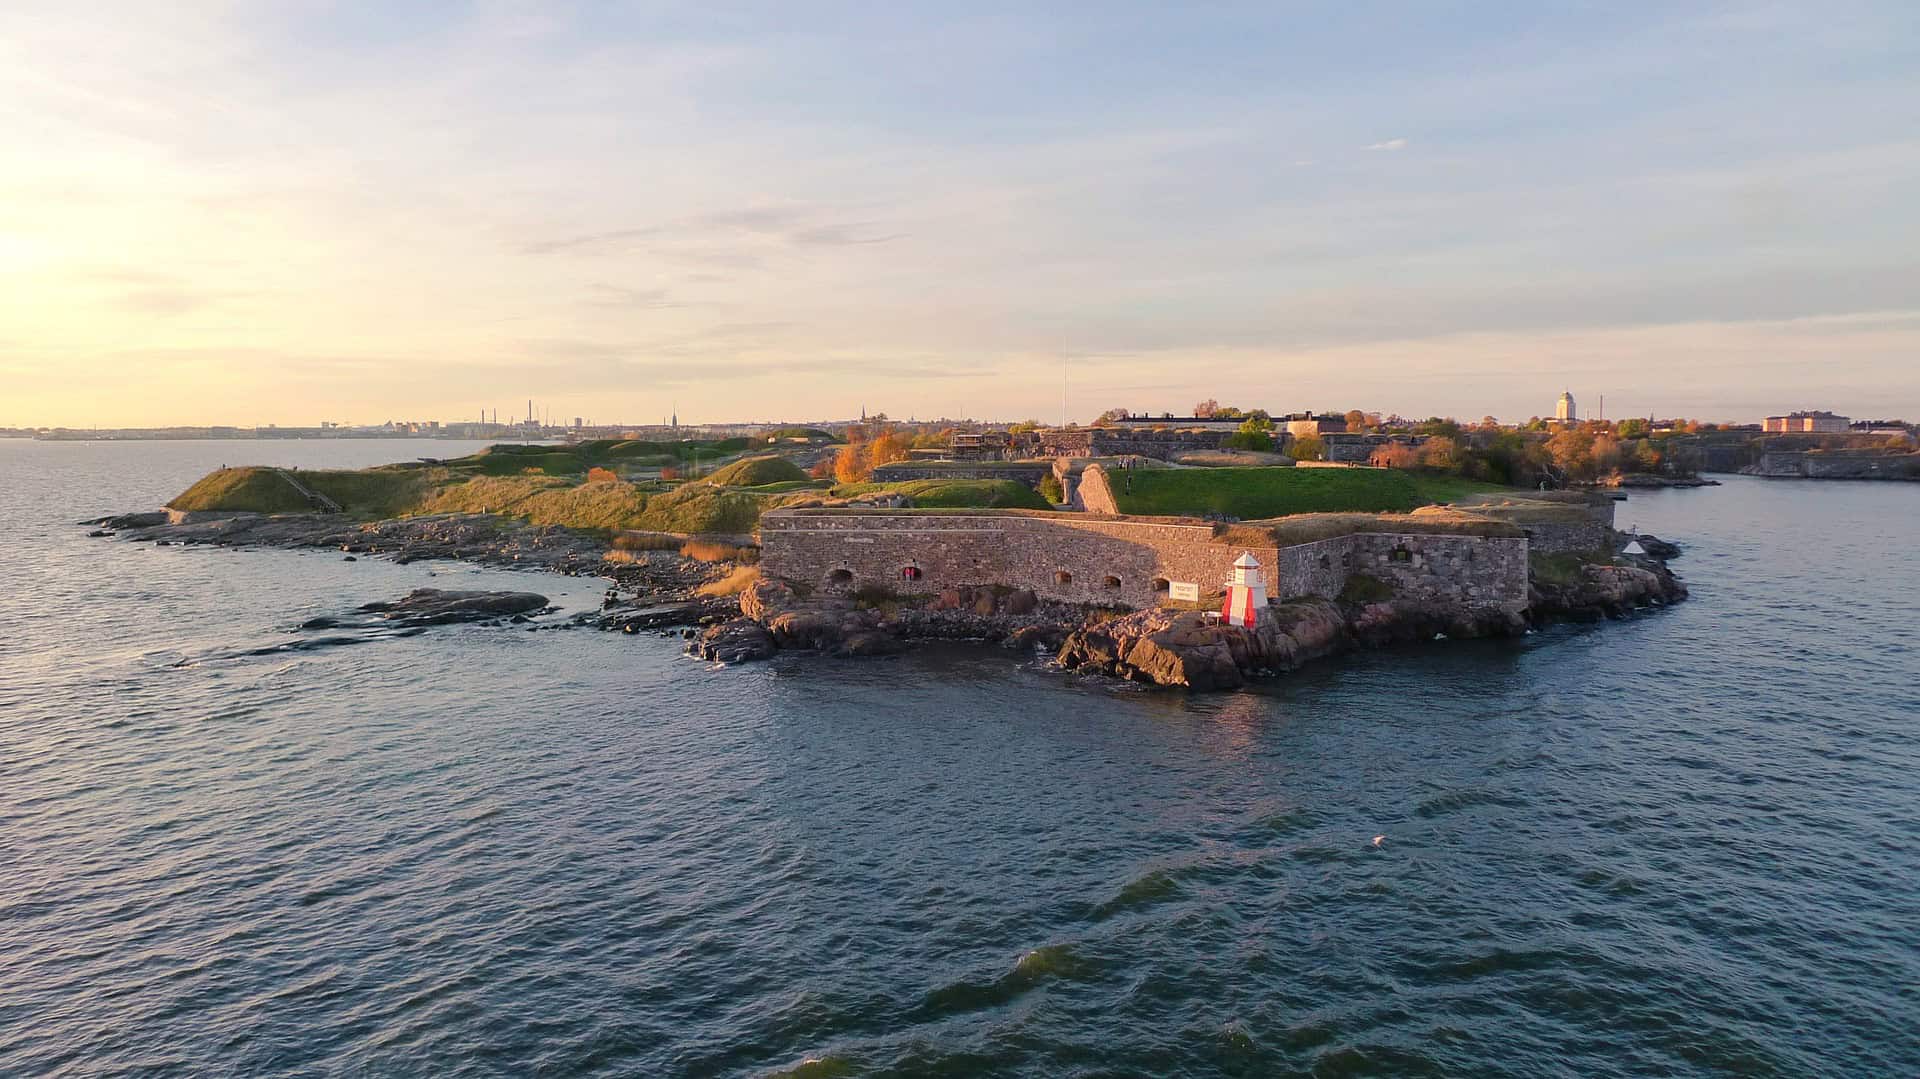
(1186, 590)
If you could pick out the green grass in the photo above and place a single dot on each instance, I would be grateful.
(545, 500)
(381, 492)
(498, 482)
(242, 490)
(1555, 568)
(1263, 492)
(1250, 493)
(758, 472)
(702, 507)
(955, 494)
(1434, 488)
(376, 492)
(1312, 527)
(789, 486)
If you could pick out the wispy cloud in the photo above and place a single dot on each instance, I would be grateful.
(1388, 144)
(795, 226)
(615, 296)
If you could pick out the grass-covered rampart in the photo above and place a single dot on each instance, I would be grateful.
(949, 494)
(1252, 493)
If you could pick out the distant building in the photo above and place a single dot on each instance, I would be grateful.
(1564, 410)
(1313, 425)
(1879, 427)
(1805, 423)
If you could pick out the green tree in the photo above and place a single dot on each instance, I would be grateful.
(1256, 433)
(1307, 448)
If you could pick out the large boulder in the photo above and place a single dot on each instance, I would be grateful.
(435, 606)
(734, 641)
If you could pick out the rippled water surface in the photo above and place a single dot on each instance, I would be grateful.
(1687, 844)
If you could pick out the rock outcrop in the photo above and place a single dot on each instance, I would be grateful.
(1195, 650)
(1605, 591)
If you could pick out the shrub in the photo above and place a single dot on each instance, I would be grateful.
(850, 465)
(1394, 455)
(1051, 490)
(732, 584)
(873, 595)
(1243, 439)
(888, 447)
(597, 474)
(715, 551)
(668, 472)
(1363, 588)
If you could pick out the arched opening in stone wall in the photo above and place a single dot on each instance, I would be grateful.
(1062, 577)
(1401, 554)
(840, 578)
(1160, 586)
(1326, 562)
(1112, 582)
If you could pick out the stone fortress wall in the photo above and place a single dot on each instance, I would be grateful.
(1122, 442)
(1121, 562)
(1837, 465)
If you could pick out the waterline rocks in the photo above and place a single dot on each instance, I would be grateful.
(439, 607)
(1598, 590)
(436, 607)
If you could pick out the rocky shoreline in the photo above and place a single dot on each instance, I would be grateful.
(659, 591)
(1162, 646)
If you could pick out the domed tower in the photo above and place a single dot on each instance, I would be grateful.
(1564, 410)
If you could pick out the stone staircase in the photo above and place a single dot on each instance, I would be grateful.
(313, 497)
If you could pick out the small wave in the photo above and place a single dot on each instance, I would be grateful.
(1454, 801)
(1048, 963)
(1155, 887)
(1286, 822)
(826, 1067)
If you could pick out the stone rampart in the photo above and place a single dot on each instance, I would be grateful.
(1095, 493)
(1121, 562)
(1832, 465)
(1124, 442)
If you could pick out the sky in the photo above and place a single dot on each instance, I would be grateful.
(298, 211)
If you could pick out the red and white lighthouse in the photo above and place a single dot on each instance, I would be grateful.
(1246, 594)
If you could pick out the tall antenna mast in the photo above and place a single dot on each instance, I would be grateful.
(1063, 391)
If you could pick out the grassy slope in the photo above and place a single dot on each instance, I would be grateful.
(257, 490)
(545, 501)
(1277, 492)
(757, 472)
(976, 494)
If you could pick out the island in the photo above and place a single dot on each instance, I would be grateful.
(1117, 566)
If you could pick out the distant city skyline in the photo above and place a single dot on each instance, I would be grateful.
(226, 213)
